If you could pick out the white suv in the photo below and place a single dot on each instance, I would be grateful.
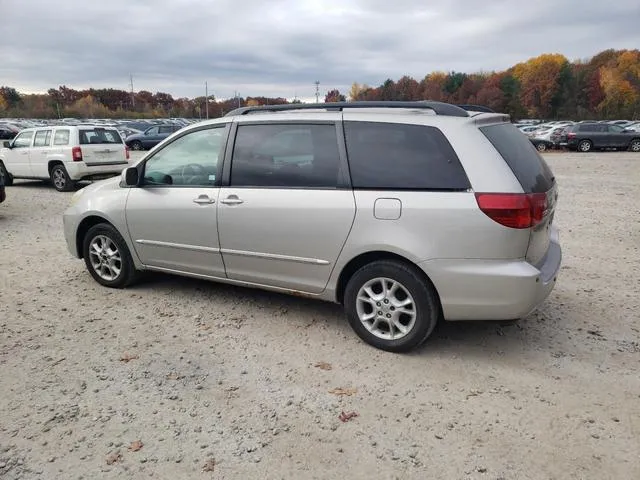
(64, 155)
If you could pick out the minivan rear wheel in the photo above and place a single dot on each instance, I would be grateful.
(391, 306)
(107, 257)
(585, 146)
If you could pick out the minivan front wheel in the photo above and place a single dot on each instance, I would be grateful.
(635, 145)
(107, 257)
(585, 146)
(391, 306)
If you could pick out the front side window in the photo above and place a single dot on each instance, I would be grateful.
(23, 140)
(42, 139)
(615, 129)
(292, 155)
(392, 156)
(167, 130)
(191, 160)
(152, 131)
(61, 137)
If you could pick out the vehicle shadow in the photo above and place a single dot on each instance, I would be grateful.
(484, 339)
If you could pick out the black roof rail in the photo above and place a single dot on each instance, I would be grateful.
(476, 108)
(440, 108)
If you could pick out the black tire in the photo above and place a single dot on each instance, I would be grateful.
(425, 299)
(634, 146)
(8, 179)
(127, 274)
(541, 147)
(137, 146)
(60, 178)
(585, 146)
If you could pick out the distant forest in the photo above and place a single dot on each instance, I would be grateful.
(548, 86)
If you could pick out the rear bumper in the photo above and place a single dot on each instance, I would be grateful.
(82, 171)
(494, 289)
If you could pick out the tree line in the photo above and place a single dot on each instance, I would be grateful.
(548, 86)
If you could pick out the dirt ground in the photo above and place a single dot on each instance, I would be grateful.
(178, 378)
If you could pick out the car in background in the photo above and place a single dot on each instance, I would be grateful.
(542, 144)
(342, 202)
(585, 137)
(3, 194)
(150, 137)
(64, 155)
(7, 132)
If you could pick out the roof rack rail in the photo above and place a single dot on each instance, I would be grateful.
(476, 108)
(440, 108)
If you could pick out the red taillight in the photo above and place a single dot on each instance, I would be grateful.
(514, 210)
(571, 135)
(126, 152)
(76, 154)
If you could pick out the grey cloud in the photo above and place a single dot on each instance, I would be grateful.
(281, 47)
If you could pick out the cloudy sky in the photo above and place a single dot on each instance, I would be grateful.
(280, 47)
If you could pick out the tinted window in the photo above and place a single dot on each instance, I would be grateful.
(152, 131)
(285, 156)
(167, 129)
(23, 140)
(99, 136)
(42, 139)
(615, 129)
(525, 162)
(589, 127)
(403, 157)
(61, 137)
(191, 160)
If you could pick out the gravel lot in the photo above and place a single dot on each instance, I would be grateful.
(177, 378)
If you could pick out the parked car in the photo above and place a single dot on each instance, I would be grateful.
(7, 132)
(585, 137)
(3, 194)
(403, 218)
(542, 144)
(64, 155)
(150, 137)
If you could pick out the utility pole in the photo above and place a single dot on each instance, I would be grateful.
(317, 83)
(206, 98)
(133, 98)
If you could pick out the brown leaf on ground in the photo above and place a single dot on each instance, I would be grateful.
(209, 465)
(345, 417)
(323, 366)
(174, 376)
(127, 357)
(344, 391)
(113, 458)
(135, 446)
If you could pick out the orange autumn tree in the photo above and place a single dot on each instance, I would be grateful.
(539, 82)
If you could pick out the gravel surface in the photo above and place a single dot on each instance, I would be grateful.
(178, 378)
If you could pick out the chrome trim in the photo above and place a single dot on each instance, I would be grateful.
(181, 246)
(274, 256)
(230, 281)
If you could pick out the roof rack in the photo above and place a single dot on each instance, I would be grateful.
(476, 108)
(440, 108)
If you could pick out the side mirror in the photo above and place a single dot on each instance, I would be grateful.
(6, 144)
(130, 177)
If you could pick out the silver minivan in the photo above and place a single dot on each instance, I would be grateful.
(404, 212)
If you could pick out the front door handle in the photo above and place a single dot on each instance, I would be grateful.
(232, 200)
(203, 200)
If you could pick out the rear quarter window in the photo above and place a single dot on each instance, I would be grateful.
(61, 137)
(391, 156)
(523, 159)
